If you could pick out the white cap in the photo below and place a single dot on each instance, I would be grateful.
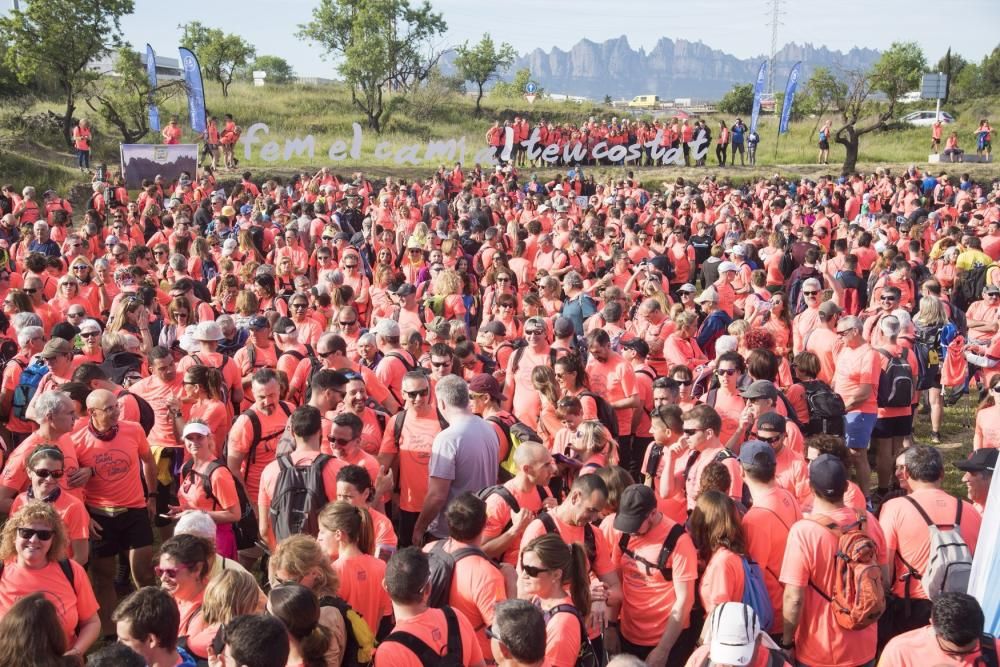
(209, 331)
(187, 341)
(727, 266)
(196, 428)
(387, 329)
(229, 247)
(197, 523)
(90, 325)
(739, 250)
(733, 629)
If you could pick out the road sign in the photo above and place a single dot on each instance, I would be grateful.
(933, 86)
(530, 97)
(531, 88)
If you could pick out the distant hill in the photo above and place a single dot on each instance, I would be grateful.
(673, 68)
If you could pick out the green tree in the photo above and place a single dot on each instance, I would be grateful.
(509, 90)
(278, 70)
(607, 100)
(965, 85)
(482, 62)
(823, 93)
(380, 44)
(739, 100)
(952, 65)
(989, 73)
(897, 71)
(220, 55)
(123, 100)
(60, 38)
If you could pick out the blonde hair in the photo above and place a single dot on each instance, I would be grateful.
(298, 555)
(233, 593)
(447, 282)
(36, 511)
(596, 439)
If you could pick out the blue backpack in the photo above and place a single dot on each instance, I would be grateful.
(31, 377)
(755, 593)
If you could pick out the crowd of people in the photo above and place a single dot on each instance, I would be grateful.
(479, 418)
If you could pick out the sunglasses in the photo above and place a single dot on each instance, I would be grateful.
(692, 431)
(28, 533)
(350, 266)
(812, 293)
(342, 442)
(30, 290)
(996, 389)
(684, 383)
(503, 280)
(170, 572)
(300, 305)
(421, 392)
(327, 238)
(440, 364)
(533, 332)
(348, 324)
(158, 252)
(45, 474)
(82, 267)
(888, 299)
(75, 314)
(727, 371)
(773, 439)
(532, 571)
(90, 334)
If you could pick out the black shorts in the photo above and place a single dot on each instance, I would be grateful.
(824, 145)
(131, 529)
(893, 427)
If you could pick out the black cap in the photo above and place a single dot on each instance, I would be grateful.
(119, 364)
(772, 421)
(259, 322)
(637, 344)
(828, 476)
(981, 460)
(284, 325)
(636, 503)
(66, 331)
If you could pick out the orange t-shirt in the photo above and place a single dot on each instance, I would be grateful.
(361, 586)
(600, 566)
(855, 368)
(15, 475)
(72, 512)
(792, 474)
(271, 472)
(74, 602)
(241, 440)
(429, 627)
(118, 477)
(385, 534)
(498, 515)
(158, 394)
(921, 647)
(414, 451)
(614, 380)
(562, 637)
(907, 534)
(723, 580)
(191, 492)
(810, 555)
(644, 590)
(766, 526)
(825, 344)
(527, 404)
(730, 406)
(706, 457)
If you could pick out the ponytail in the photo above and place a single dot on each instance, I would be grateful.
(354, 522)
(579, 578)
(313, 647)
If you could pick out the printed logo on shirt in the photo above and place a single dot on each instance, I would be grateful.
(112, 465)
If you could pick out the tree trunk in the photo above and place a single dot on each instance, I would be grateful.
(225, 88)
(848, 138)
(68, 118)
(479, 108)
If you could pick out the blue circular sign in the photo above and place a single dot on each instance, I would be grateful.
(530, 87)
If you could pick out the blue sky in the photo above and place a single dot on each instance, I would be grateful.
(739, 27)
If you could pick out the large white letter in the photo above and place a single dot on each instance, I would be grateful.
(249, 139)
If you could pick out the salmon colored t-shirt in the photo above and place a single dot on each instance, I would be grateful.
(723, 579)
(601, 564)
(117, 481)
(361, 586)
(907, 534)
(527, 404)
(824, 344)
(15, 475)
(645, 590)
(675, 506)
(855, 368)
(987, 428)
(810, 555)
(191, 492)
(792, 474)
(562, 638)
(766, 526)
(429, 627)
(385, 534)
(476, 586)
(241, 440)
(730, 406)
(693, 482)
(74, 602)
(414, 451)
(158, 394)
(921, 648)
(614, 380)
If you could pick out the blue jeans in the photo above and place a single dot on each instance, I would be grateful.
(83, 158)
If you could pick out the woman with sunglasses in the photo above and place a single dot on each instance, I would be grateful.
(300, 559)
(46, 468)
(593, 447)
(183, 571)
(684, 378)
(498, 282)
(68, 295)
(553, 574)
(355, 278)
(33, 551)
(572, 378)
(177, 320)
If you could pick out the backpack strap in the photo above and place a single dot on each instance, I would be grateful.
(925, 516)
(518, 353)
(397, 427)
(257, 432)
(548, 522)
(425, 654)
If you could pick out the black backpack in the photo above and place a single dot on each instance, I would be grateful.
(826, 409)
(669, 544)
(969, 287)
(245, 530)
(605, 413)
(359, 644)
(895, 382)
(147, 417)
(588, 655)
(787, 263)
(257, 430)
(299, 495)
(427, 656)
(315, 365)
(442, 565)
(508, 497)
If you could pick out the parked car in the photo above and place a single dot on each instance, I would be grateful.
(926, 118)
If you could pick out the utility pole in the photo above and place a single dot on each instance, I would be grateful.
(775, 13)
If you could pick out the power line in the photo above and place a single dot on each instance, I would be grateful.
(774, 9)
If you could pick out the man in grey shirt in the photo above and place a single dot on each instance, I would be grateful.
(464, 457)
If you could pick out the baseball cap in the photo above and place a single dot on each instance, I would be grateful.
(284, 326)
(637, 344)
(563, 327)
(738, 250)
(90, 326)
(828, 476)
(636, 503)
(196, 428)
(55, 347)
(484, 383)
(760, 389)
(208, 331)
(734, 628)
(772, 421)
(229, 247)
(387, 329)
(829, 309)
(687, 287)
(258, 322)
(727, 266)
(982, 460)
(535, 322)
(991, 289)
(757, 452)
(707, 296)
(406, 289)
(494, 327)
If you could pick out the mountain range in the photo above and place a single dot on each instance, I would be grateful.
(672, 69)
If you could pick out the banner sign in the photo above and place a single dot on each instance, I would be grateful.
(146, 161)
(195, 90)
(758, 88)
(790, 88)
(154, 113)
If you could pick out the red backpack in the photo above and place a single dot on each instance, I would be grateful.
(858, 595)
